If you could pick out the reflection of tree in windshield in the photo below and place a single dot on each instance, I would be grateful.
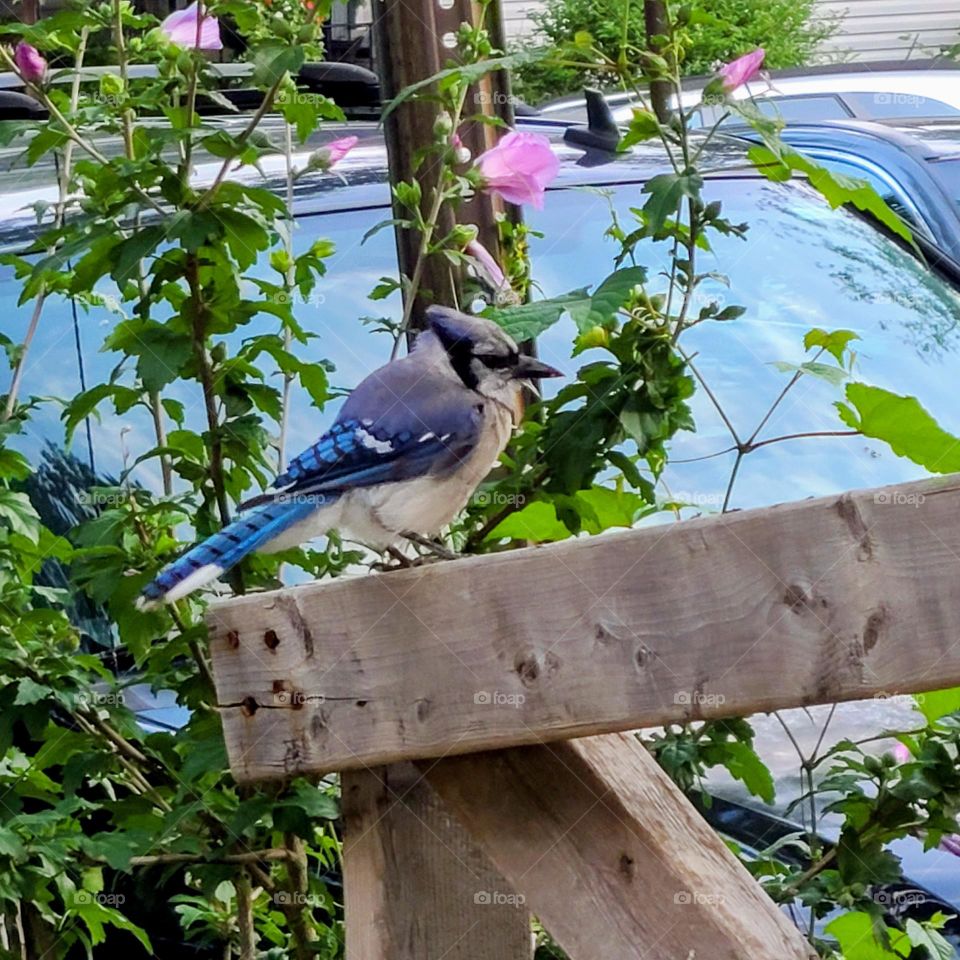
(872, 269)
(890, 276)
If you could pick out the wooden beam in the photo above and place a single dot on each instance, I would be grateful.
(410, 48)
(824, 600)
(416, 886)
(606, 850)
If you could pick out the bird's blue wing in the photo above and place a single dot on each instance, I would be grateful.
(397, 425)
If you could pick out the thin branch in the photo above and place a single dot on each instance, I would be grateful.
(803, 436)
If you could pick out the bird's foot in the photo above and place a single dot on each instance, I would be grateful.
(437, 549)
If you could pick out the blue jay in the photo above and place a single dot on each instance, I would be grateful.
(410, 445)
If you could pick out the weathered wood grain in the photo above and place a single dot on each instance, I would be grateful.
(416, 885)
(609, 854)
(825, 600)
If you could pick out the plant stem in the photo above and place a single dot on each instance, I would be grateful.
(252, 857)
(241, 139)
(248, 936)
(288, 286)
(802, 436)
(205, 373)
(429, 225)
(63, 189)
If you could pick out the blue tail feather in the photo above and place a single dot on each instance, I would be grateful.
(248, 532)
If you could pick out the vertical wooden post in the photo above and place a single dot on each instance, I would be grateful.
(655, 20)
(409, 39)
(29, 11)
(416, 885)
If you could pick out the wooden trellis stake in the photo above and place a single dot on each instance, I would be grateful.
(413, 876)
(820, 601)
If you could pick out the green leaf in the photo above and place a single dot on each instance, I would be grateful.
(643, 126)
(272, 60)
(606, 508)
(836, 188)
(743, 764)
(667, 191)
(529, 320)
(536, 521)
(924, 936)
(856, 935)
(825, 371)
(18, 513)
(126, 256)
(601, 308)
(835, 342)
(468, 73)
(938, 703)
(29, 691)
(902, 423)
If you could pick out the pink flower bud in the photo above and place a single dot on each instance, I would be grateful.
(181, 29)
(742, 70)
(519, 168)
(338, 149)
(487, 268)
(31, 65)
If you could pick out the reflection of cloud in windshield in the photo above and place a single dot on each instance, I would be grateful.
(802, 265)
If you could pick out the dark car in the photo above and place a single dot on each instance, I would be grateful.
(837, 91)
(802, 265)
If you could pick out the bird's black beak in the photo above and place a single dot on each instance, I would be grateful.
(530, 368)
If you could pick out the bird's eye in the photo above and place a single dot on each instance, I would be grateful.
(497, 361)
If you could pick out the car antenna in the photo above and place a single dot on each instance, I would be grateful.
(601, 131)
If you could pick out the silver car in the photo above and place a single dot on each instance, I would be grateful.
(868, 91)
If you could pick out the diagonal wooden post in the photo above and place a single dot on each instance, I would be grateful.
(611, 856)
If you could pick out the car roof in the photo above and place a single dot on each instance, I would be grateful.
(925, 138)
(838, 74)
(361, 177)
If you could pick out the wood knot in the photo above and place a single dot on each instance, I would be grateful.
(796, 598)
(528, 670)
(233, 639)
(271, 639)
(872, 628)
(249, 706)
(627, 866)
(423, 709)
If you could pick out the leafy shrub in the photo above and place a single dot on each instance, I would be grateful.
(788, 30)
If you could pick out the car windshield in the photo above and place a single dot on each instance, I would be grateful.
(801, 266)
